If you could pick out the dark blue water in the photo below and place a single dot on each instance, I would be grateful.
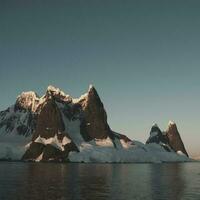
(51, 181)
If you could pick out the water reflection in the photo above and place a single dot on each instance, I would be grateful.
(41, 181)
(167, 181)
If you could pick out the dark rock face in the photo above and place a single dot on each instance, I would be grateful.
(49, 125)
(156, 136)
(49, 121)
(52, 153)
(94, 122)
(175, 140)
(34, 151)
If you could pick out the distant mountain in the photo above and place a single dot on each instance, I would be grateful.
(57, 127)
(170, 139)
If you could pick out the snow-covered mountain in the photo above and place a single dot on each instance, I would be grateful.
(57, 127)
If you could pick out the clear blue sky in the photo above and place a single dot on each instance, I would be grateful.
(143, 57)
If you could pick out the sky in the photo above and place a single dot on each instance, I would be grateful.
(142, 56)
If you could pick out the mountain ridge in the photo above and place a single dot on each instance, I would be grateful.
(61, 128)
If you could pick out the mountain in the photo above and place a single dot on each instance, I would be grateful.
(169, 139)
(57, 127)
(158, 137)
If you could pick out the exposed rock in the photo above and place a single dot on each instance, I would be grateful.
(94, 122)
(50, 153)
(63, 128)
(57, 94)
(27, 101)
(49, 127)
(156, 136)
(49, 121)
(174, 137)
(33, 152)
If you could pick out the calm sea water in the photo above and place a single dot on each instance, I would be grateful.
(51, 181)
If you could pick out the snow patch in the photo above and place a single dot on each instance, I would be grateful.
(104, 142)
(54, 142)
(72, 127)
(171, 123)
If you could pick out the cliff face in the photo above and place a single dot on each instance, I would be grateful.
(94, 121)
(174, 137)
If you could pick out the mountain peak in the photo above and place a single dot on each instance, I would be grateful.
(92, 90)
(155, 125)
(91, 87)
(57, 93)
(27, 100)
(174, 137)
(171, 123)
(54, 90)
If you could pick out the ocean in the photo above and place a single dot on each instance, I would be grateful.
(79, 181)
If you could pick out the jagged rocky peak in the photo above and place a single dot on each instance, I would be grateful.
(174, 137)
(56, 117)
(84, 98)
(27, 100)
(94, 123)
(171, 123)
(155, 130)
(58, 94)
(157, 136)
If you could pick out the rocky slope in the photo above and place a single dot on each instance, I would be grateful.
(56, 127)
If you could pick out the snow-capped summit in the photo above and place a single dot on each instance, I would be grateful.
(57, 93)
(91, 87)
(27, 100)
(155, 125)
(56, 127)
(171, 123)
(156, 136)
